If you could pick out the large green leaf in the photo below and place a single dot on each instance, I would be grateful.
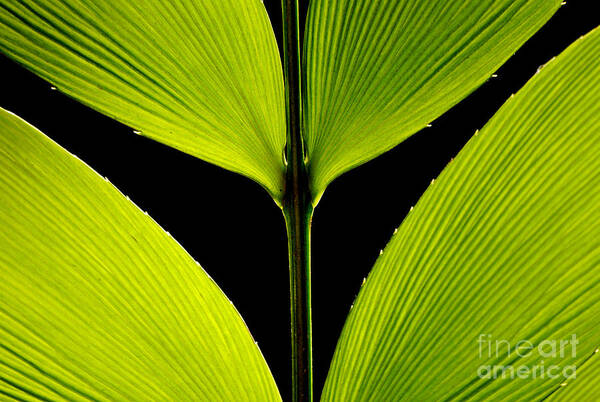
(378, 71)
(506, 242)
(97, 301)
(201, 76)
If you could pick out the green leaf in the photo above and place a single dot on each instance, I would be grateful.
(97, 301)
(506, 242)
(585, 387)
(201, 76)
(379, 71)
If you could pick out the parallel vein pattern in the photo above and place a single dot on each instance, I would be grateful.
(586, 387)
(506, 242)
(97, 302)
(378, 71)
(201, 76)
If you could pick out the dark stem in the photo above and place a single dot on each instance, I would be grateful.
(297, 210)
(298, 221)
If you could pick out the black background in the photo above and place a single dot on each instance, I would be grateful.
(230, 225)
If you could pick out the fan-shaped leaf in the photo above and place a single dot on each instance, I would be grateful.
(378, 71)
(201, 76)
(97, 301)
(504, 247)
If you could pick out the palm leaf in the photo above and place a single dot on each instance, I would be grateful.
(97, 301)
(201, 76)
(506, 242)
(378, 71)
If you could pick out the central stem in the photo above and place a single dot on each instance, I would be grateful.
(297, 210)
(298, 219)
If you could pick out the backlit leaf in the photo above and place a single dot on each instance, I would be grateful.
(503, 247)
(379, 71)
(201, 76)
(97, 301)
